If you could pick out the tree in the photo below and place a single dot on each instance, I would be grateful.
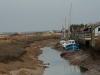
(75, 26)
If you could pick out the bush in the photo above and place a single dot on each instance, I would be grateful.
(11, 52)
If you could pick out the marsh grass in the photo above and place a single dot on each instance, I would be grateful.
(13, 47)
(40, 38)
(11, 52)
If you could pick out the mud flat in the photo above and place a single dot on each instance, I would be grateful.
(81, 58)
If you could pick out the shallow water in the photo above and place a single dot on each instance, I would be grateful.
(58, 65)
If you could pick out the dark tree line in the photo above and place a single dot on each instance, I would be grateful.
(74, 26)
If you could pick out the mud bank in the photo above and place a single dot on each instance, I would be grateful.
(81, 58)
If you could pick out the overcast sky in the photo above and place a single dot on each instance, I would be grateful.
(40, 15)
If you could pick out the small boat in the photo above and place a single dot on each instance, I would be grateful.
(70, 45)
(63, 40)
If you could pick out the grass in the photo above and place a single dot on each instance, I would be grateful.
(13, 47)
(11, 52)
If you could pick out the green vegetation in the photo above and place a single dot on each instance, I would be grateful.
(75, 26)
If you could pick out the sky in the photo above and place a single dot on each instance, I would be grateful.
(41, 15)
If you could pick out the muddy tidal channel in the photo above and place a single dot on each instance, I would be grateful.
(57, 65)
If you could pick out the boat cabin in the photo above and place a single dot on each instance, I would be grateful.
(64, 39)
(71, 41)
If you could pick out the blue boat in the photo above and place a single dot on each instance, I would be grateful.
(70, 45)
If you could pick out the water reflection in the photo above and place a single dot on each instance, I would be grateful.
(58, 66)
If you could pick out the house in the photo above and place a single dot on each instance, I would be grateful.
(85, 33)
(88, 30)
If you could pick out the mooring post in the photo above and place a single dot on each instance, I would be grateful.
(93, 35)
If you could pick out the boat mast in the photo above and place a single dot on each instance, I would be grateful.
(69, 22)
(64, 27)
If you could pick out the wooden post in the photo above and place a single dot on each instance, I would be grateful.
(93, 36)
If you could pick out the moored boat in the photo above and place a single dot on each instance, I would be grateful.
(71, 45)
(63, 40)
